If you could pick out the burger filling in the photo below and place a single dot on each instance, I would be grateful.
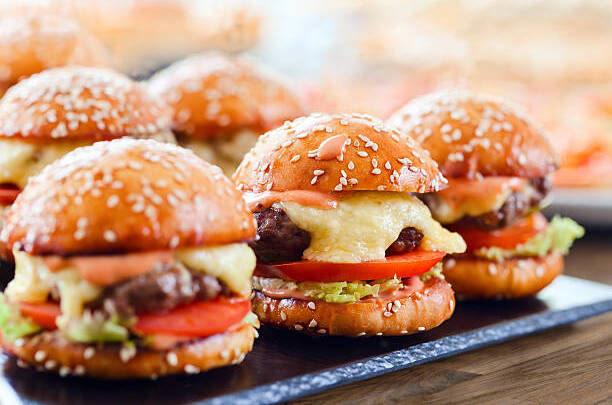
(393, 233)
(171, 296)
(225, 151)
(499, 217)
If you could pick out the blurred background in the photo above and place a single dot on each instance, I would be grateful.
(552, 56)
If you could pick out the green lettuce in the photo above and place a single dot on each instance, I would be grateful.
(337, 292)
(558, 237)
(13, 324)
(94, 328)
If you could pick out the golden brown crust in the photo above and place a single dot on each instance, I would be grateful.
(31, 43)
(127, 195)
(212, 94)
(470, 134)
(512, 278)
(54, 353)
(80, 102)
(376, 158)
(420, 311)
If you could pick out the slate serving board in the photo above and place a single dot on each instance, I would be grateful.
(284, 365)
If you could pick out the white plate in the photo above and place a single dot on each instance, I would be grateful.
(588, 207)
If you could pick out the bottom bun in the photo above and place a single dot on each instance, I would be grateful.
(52, 352)
(472, 277)
(422, 310)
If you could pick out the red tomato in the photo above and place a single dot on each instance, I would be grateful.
(8, 194)
(403, 265)
(506, 238)
(199, 319)
(43, 314)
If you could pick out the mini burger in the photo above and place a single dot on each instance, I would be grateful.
(498, 165)
(131, 261)
(33, 42)
(344, 247)
(221, 104)
(51, 113)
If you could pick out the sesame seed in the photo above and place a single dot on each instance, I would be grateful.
(318, 172)
(283, 316)
(353, 181)
(79, 369)
(362, 153)
(376, 170)
(225, 354)
(351, 165)
(295, 158)
(172, 359)
(191, 369)
(311, 305)
(19, 342)
(314, 180)
(298, 327)
(40, 355)
(361, 334)
(379, 334)
(403, 332)
(387, 314)
(89, 353)
(112, 201)
(127, 353)
(388, 165)
(421, 328)
(64, 371)
(321, 331)
(110, 236)
(312, 324)
(50, 364)
(492, 269)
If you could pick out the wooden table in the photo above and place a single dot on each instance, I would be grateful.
(570, 365)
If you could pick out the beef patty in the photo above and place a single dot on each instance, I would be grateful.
(280, 240)
(161, 289)
(517, 205)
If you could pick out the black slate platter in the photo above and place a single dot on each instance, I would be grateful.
(285, 365)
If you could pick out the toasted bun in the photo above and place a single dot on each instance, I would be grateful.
(127, 195)
(54, 353)
(77, 103)
(511, 278)
(471, 134)
(31, 43)
(212, 94)
(420, 311)
(376, 158)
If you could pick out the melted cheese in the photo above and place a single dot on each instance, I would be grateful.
(33, 282)
(233, 264)
(223, 151)
(20, 160)
(475, 197)
(365, 224)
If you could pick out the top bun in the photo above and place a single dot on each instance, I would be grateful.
(471, 135)
(213, 94)
(80, 103)
(32, 43)
(127, 195)
(372, 157)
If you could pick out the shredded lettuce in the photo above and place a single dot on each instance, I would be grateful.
(558, 237)
(94, 327)
(13, 324)
(337, 292)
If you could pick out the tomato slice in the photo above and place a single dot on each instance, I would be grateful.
(8, 194)
(199, 319)
(506, 238)
(402, 266)
(43, 314)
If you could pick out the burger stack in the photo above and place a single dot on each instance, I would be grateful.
(135, 257)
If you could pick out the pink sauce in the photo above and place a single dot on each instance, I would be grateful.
(332, 147)
(107, 270)
(261, 201)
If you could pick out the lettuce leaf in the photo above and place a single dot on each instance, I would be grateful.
(13, 324)
(558, 237)
(337, 292)
(94, 327)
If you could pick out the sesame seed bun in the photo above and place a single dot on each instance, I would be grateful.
(31, 43)
(422, 310)
(376, 158)
(470, 134)
(472, 277)
(127, 195)
(80, 103)
(52, 352)
(213, 94)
